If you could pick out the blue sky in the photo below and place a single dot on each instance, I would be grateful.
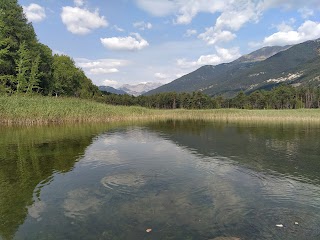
(120, 42)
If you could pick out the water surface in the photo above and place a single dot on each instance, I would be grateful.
(183, 180)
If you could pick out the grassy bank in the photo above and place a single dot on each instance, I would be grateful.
(28, 110)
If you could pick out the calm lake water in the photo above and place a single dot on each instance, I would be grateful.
(184, 180)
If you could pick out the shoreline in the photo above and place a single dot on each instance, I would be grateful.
(38, 110)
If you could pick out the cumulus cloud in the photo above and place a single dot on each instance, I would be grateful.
(110, 83)
(82, 21)
(213, 36)
(286, 26)
(79, 3)
(233, 14)
(100, 66)
(161, 76)
(179, 75)
(103, 70)
(34, 12)
(237, 15)
(232, 18)
(186, 10)
(222, 55)
(130, 43)
(190, 32)
(142, 25)
(307, 31)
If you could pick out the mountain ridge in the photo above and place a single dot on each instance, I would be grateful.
(260, 69)
(111, 90)
(131, 89)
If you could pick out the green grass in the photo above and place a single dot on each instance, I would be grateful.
(30, 110)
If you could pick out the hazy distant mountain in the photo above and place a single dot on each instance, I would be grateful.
(140, 88)
(111, 90)
(267, 67)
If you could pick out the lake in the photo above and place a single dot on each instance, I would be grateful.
(178, 179)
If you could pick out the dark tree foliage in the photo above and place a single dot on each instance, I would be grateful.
(281, 97)
(171, 100)
(27, 66)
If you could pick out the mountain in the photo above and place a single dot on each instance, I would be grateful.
(262, 54)
(111, 90)
(263, 69)
(140, 88)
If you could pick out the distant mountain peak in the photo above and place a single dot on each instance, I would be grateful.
(262, 54)
(111, 90)
(140, 88)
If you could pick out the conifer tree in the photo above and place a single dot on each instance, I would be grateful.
(23, 68)
(33, 83)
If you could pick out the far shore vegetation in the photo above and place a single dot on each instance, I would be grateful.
(34, 110)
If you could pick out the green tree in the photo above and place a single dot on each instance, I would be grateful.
(14, 30)
(45, 69)
(65, 76)
(240, 101)
(33, 83)
(23, 68)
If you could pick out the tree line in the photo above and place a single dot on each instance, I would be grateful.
(280, 97)
(171, 100)
(28, 66)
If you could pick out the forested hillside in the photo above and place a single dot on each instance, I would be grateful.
(28, 66)
(263, 69)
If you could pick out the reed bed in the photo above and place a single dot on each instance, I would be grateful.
(37, 110)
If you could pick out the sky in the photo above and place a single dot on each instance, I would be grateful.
(120, 42)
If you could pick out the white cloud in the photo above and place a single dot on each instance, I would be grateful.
(98, 71)
(290, 4)
(222, 55)
(179, 75)
(161, 76)
(233, 14)
(119, 29)
(34, 12)
(110, 83)
(212, 36)
(190, 32)
(306, 12)
(307, 31)
(232, 18)
(79, 3)
(82, 21)
(130, 43)
(100, 66)
(142, 25)
(237, 15)
(157, 8)
(286, 26)
(185, 10)
(100, 63)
